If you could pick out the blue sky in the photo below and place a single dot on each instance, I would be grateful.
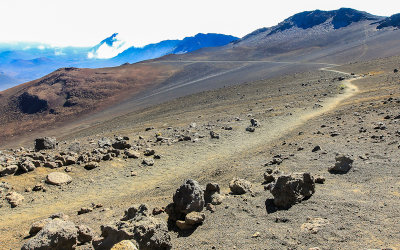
(86, 22)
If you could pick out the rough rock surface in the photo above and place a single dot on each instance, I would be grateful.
(124, 245)
(121, 144)
(91, 165)
(15, 199)
(104, 142)
(148, 162)
(189, 197)
(194, 218)
(26, 166)
(39, 225)
(57, 178)
(291, 189)
(342, 166)
(182, 225)
(147, 231)
(132, 154)
(85, 234)
(74, 147)
(212, 194)
(9, 170)
(240, 186)
(57, 234)
(45, 143)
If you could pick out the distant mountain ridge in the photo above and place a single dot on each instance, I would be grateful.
(339, 18)
(309, 19)
(188, 44)
(28, 62)
(392, 21)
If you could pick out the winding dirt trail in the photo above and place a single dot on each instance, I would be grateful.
(204, 159)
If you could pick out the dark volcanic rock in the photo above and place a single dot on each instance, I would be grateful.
(57, 234)
(342, 166)
(189, 197)
(149, 232)
(291, 189)
(121, 144)
(214, 135)
(45, 143)
(211, 194)
(9, 170)
(316, 148)
(250, 129)
(135, 211)
(85, 234)
(91, 165)
(26, 166)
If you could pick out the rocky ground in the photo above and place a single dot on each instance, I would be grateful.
(250, 139)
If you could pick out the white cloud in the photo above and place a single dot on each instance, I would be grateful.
(59, 52)
(106, 51)
(61, 23)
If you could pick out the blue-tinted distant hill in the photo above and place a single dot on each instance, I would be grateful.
(188, 44)
(22, 62)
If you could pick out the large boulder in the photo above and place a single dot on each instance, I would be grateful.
(15, 199)
(58, 178)
(9, 170)
(57, 234)
(194, 218)
(85, 234)
(39, 225)
(74, 147)
(343, 164)
(5, 188)
(149, 232)
(45, 143)
(240, 186)
(291, 189)
(104, 142)
(132, 154)
(26, 166)
(91, 165)
(120, 143)
(189, 197)
(212, 194)
(124, 245)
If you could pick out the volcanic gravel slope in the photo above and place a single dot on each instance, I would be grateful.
(70, 99)
(357, 116)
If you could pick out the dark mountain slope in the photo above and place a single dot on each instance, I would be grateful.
(200, 40)
(339, 19)
(392, 21)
